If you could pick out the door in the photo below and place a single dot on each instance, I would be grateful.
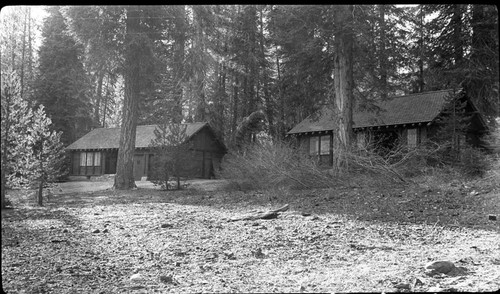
(110, 162)
(76, 164)
(139, 166)
(207, 165)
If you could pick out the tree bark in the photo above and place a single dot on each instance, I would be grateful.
(40, 184)
(180, 44)
(343, 82)
(383, 56)
(23, 53)
(30, 50)
(267, 97)
(271, 214)
(5, 143)
(234, 122)
(421, 83)
(281, 99)
(3, 188)
(124, 178)
(97, 106)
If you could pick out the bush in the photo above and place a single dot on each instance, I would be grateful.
(393, 166)
(280, 165)
(473, 162)
(273, 165)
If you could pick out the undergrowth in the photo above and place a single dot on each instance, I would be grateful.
(267, 166)
(283, 166)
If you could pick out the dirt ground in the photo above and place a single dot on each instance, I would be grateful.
(81, 185)
(91, 239)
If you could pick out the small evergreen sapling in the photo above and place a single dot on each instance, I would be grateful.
(171, 149)
(31, 151)
(48, 152)
(454, 123)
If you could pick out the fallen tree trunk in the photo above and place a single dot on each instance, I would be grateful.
(271, 214)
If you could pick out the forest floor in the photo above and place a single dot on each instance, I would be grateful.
(330, 240)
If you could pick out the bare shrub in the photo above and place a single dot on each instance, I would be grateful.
(473, 162)
(272, 165)
(394, 166)
(279, 165)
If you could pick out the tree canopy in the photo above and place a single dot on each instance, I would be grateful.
(125, 65)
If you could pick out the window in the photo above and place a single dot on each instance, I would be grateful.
(97, 159)
(319, 145)
(90, 159)
(325, 145)
(423, 135)
(83, 159)
(313, 145)
(412, 137)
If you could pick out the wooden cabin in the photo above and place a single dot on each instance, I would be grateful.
(96, 153)
(409, 119)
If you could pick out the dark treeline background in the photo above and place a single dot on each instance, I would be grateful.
(221, 63)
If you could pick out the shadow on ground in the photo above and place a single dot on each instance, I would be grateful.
(454, 207)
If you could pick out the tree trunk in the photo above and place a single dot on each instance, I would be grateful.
(3, 187)
(106, 101)
(13, 48)
(97, 106)
(421, 83)
(234, 123)
(458, 34)
(40, 184)
(343, 82)
(40, 193)
(383, 57)
(23, 53)
(124, 178)
(30, 49)
(271, 214)
(5, 142)
(265, 82)
(180, 44)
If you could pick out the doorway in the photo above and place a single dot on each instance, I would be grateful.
(139, 164)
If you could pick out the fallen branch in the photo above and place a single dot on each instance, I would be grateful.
(271, 214)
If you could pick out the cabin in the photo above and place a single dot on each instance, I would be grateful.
(96, 153)
(409, 119)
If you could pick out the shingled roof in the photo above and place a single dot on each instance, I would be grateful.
(408, 109)
(109, 138)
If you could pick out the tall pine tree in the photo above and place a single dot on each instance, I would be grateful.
(62, 84)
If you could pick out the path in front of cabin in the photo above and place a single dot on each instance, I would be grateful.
(76, 186)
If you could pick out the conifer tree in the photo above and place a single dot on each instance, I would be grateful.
(171, 152)
(62, 83)
(31, 151)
